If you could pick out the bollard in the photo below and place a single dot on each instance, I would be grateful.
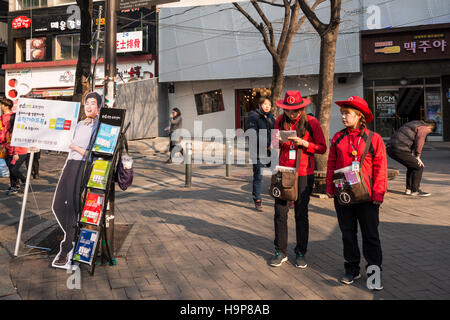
(188, 164)
(228, 157)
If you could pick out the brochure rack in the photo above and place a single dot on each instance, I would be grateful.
(98, 192)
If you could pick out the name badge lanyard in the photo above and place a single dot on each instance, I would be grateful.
(355, 163)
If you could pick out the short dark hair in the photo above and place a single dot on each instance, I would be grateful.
(432, 124)
(96, 96)
(262, 99)
(7, 102)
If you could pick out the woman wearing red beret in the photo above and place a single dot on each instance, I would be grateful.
(346, 149)
(309, 137)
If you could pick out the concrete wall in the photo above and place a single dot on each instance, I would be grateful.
(183, 98)
(147, 113)
(218, 42)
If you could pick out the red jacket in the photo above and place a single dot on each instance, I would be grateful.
(374, 168)
(316, 140)
(5, 137)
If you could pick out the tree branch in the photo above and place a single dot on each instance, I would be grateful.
(272, 3)
(287, 13)
(266, 21)
(312, 17)
(260, 28)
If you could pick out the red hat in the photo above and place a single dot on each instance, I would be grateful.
(293, 100)
(359, 104)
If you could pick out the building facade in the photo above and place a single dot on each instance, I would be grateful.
(216, 65)
(44, 39)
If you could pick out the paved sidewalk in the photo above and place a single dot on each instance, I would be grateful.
(207, 242)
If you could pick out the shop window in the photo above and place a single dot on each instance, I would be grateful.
(29, 4)
(67, 46)
(35, 49)
(435, 80)
(20, 50)
(209, 102)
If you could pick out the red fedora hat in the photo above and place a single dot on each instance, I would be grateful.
(357, 103)
(293, 100)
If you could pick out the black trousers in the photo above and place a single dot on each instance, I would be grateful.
(15, 173)
(172, 145)
(305, 187)
(367, 215)
(413, 170)
(66, 202)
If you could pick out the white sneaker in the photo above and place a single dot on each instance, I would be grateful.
(421, 193)
(408, 192)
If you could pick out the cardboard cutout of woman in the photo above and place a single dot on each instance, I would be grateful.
(66, 200)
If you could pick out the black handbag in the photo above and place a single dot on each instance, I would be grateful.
(350, 193)
(284, 183)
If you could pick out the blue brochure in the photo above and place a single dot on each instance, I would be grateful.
(87, 242)
(106, 138)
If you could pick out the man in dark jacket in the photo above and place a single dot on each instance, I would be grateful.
(405, 146)
(260, 119)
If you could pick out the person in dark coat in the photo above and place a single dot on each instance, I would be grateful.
(175, 123)
(405, 146)
(260, 119)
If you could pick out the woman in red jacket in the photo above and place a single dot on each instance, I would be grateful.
(16, 156)
(311, 140)
(346, 149)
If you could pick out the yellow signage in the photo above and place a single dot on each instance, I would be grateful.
(388, 50)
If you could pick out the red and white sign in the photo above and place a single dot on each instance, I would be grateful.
(129, 41)
(21, 22)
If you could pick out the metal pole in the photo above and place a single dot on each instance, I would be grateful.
(188, 164)
(97, 36)
(24, 204)
(110, 98)
(228, 157)
(110, 52)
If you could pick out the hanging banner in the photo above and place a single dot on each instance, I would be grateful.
(45, 124)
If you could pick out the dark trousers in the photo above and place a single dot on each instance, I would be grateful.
(66, 202)
(413, 170)
(305, 187)
(35, 165)
(366, 214)
(172, 145)
(15, 173)
(257, 181)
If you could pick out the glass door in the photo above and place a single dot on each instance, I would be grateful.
(433, 108)
(385, 111)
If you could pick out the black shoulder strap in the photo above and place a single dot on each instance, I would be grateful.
(367, 147)
(344, 133)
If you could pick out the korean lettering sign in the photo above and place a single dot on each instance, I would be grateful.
(129, 41)
(45, 124)
(408, 45)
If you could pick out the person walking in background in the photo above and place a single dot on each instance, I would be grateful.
(175, 123)
(405, 147)
(346, 149)
(309, 138)
(16, 156)
(260, 119)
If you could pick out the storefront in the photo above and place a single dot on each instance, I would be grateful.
(406, 72)
(44, 45)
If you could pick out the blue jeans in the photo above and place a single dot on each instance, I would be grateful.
(257, 180)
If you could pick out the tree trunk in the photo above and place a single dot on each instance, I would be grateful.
(83, 70)
(326, 86)
(277, 86)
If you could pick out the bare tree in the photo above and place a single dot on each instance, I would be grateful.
(328, 33)
(279, 51)
(83, 71)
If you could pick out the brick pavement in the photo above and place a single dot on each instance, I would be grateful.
(207, 242)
